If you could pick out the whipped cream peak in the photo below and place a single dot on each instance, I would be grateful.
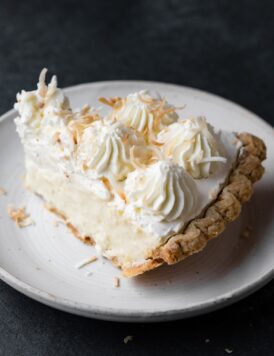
(193, 144)
(36, 104)
(50, 95)
(104, 149)
(163, 191)
(143, 112)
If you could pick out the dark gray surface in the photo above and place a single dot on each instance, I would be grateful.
(225, 47)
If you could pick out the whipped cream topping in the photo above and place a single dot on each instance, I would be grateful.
(150, 181)
(163, 190)
(48, 127)
(38, 104)
(193, 145)
(104, 150)
(44, 115)
(145, 113)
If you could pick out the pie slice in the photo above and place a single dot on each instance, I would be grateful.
(143, 184)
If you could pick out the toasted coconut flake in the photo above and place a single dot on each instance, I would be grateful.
(84, 119)
(74, 137)
(145, 132)
(41, 86)
(122, 195)
(106, 183)
(156, 122)
(56, 137)
(115, 102)
(20, 217)
(147, 100)
(158, 110)
(156, 143)
(89, 119)
(27, 222)
(86, 262)
(85, 109)
(85, 167)
(116, 282)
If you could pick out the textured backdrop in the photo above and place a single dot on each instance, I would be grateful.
(225, 47)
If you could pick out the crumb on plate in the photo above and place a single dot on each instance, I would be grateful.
(116, 282)
(20, 217)
(128, 338)
(86, 262)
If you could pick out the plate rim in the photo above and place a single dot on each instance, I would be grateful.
(128, 315)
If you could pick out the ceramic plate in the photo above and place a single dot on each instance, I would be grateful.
(40, 260)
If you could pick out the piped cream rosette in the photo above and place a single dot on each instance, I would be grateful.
(104, 149)
(163, 191)
(193, 145)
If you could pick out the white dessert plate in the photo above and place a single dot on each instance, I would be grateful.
(40, 261)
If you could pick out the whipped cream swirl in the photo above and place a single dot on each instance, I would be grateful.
(163, 190)
(145, 113)
(193, 145)
(104, 150)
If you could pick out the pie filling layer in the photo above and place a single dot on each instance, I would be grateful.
(129, 180)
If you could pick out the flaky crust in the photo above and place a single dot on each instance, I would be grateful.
(222, 211)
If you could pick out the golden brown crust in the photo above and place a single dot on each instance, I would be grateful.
(223, 210)
(253, 145)
(139, 269)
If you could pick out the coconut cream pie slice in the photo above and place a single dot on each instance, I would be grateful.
(144, 185)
